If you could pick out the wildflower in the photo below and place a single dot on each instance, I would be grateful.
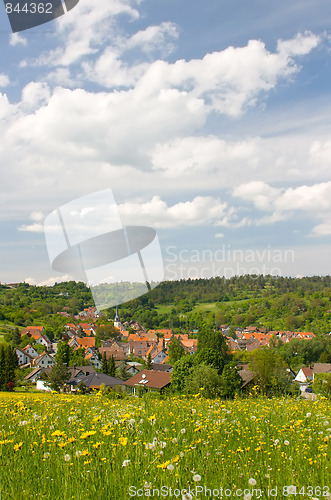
(187, 496)
(147, 486)
(18, 446)
(126, 463)
(286, 442)
(181, 454)
(291, 489)
(276, 442)
(196, 477)
(170, 467)
(182, 431)
(67, 457)
(46, 455)
(308, 414)
(163, 444)
(24, 422)
(252, 481)
(123, 441)
(326, 423)
(248, 496)
(253, 417)
(78, 453)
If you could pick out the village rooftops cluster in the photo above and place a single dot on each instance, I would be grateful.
(250, 338)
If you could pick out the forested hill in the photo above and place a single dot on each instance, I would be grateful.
(237, 287)
(274, 302)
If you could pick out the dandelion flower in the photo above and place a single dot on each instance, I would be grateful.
(46, 455)
(252, 481)
(67, 457)
(78, 453)
(170, 467)
(248, 496)
(196, 477)
(291, 489)
(182, 431)
(286, 442)
(276, 442)
(308, 414)
(187, 496)
(126, 463)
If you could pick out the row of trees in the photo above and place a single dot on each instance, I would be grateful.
(8, 365)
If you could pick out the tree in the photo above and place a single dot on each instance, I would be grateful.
(149, 362)
(175, 351)
(63, 354)
(16, 339)
(111, 366)
(231, 381)
(58, 376)
(105, 366)
(322, 384)
(180, 372)
(270, 369)
(210, 357)
(109, 331)
(203, 379)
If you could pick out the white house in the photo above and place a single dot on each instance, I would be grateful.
(45, 360)
(23, 357)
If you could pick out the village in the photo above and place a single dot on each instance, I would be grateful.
(141, 355)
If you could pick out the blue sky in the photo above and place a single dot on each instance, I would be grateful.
(210, 121)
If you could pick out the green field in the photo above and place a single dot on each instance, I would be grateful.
(91, 447)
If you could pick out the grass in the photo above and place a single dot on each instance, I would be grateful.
(94, 447)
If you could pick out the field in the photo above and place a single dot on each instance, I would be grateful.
(95, 447)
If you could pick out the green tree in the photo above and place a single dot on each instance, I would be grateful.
(322, 384)
(231, 381)
(63, 354)
(149, 361)
(203, 379)
(269, 367)
(58, 376)
(180, 372)
(111, 366)
(175, 351)
(16, 338)
(105, 366)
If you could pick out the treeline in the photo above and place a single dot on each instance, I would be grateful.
(8, 364)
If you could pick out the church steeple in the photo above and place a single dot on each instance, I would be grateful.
(117, 321)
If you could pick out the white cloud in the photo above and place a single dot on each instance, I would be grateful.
(4, 80)
(50, 281)
(201, 210)
(155, 38)
(85, 29)
(313, 201)
(17, 39)
(35, 95)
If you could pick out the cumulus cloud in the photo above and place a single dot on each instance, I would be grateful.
(201, 210)
(17, 39)
(314, 201)
(4, 80)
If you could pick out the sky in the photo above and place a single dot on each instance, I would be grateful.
(209, 122)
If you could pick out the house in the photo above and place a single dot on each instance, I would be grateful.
(23, 357)
(304, 375)
(45, 360)
(93, 359)
(31, 351)
(161, 367)
(36, 374)
(119, 350)
(248, 378)
(148, 380)
(321, 368)
(95, 380)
